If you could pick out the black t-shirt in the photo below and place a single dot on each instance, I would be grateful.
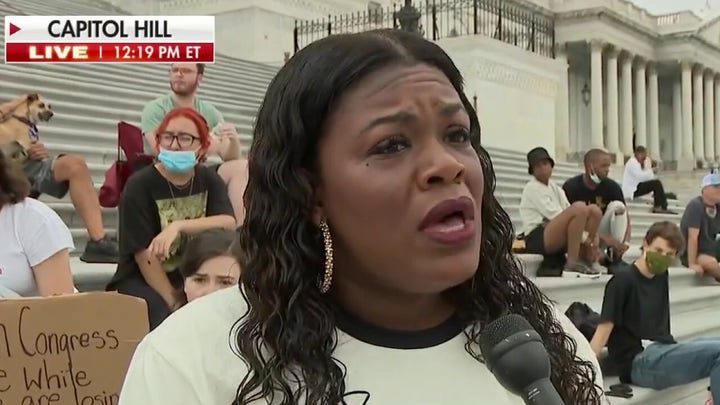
(608, 190)
(149, 203)
(639, 308)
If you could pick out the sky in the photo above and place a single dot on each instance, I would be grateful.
(669, 6)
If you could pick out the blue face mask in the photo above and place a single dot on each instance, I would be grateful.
(177, 161)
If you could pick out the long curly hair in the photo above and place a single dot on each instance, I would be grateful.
(288, 335)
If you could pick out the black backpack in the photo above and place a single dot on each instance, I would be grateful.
(584, 318)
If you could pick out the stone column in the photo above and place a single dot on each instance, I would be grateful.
(562, 112)
(677, 134)
(717, 119)
(653, 136)
(698, 119)
(709, 106)
(687, 110)
(596, 94)
(611, 83)
(626, 108)
(640, 106)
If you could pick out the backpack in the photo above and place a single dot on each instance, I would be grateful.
(584, 318)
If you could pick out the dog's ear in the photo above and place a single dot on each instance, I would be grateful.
(33, 97)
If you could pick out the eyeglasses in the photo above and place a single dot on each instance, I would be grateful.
(184, 140)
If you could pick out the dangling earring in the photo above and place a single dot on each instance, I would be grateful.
(327, 241)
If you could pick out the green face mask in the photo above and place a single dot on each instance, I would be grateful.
(657, 262)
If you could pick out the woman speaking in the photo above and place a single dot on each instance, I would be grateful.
(376, 250)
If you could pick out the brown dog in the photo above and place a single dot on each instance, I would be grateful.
(18, 124)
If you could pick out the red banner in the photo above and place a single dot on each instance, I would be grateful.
(102, 52)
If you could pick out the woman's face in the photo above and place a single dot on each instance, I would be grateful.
(180, 134)
(400, 185)
(213, 275)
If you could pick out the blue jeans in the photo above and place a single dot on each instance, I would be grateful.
(662, 366)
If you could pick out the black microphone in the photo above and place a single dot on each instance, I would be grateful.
(515, 354)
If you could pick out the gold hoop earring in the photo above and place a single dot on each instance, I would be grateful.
(327, 241)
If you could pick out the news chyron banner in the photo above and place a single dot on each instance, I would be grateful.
(109, 39)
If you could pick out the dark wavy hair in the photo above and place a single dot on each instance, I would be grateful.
(209, 245)
(14, 186)
(288, 335)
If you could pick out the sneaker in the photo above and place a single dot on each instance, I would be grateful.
(581, 270)
(598, 268)
(104, 250)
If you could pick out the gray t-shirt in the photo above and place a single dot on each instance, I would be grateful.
(696, 216)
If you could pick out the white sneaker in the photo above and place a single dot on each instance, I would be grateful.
(580, 270)
(598, 268)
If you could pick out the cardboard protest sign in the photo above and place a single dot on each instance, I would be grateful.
(68, 350)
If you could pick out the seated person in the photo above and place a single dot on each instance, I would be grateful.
(635, 322)
(55, 176)
(594, 187)
(640, 179)
(212, 261)
(162, 206)
(185, 78)
(551, 224)
(700, 225)
(36, 244)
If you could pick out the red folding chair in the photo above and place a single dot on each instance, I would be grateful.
(130, 142)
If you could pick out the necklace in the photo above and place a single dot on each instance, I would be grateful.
(188, 185)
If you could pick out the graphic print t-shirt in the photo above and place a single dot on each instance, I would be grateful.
(150, 203)
(181, 363)
(606, 192)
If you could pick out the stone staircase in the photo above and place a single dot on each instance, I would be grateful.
(89, 100)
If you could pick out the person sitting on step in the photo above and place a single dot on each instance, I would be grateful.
(635, 322)
(640, 179)
(596, 188)
(185, 78)
(161, 207)
(56, 176)
(212, 261)
(700, 225)
(552, 225)
(36, 244)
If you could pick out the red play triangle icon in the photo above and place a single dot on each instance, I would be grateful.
(13, 28)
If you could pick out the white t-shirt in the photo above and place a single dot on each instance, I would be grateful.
(541, 201)
(188, 360)
(30, 233)
(634, 175)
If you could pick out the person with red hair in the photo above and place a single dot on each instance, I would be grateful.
(164, 204)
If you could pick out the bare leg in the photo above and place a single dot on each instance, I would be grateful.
(74, 170)
(590, 248)
(709, 265)
(593, 221)
(565, 231)
(234, 174)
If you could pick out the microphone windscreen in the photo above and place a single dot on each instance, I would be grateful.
(500, 329)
